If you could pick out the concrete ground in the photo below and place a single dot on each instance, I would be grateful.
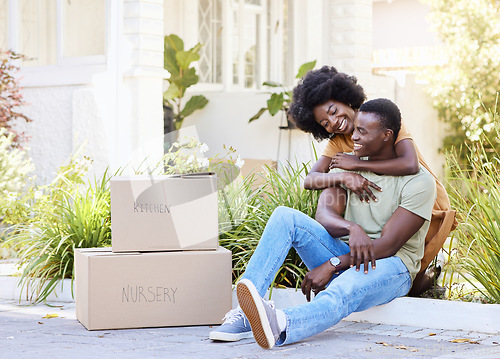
(52, 331)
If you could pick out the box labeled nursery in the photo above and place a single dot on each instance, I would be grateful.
(154, 289)
(163, 213)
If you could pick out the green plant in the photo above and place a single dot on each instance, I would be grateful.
(177, 62)
(36, 202)
(62, 217)
(15, 168)
(10, 95)
(475, 194)
(283, 188)
(281, 100)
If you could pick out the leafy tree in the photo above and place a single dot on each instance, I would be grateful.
(468, 83)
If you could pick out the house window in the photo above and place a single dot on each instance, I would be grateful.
(83, 28)
(210, 29)
(248, 28)
(55, 32)
(37, 32)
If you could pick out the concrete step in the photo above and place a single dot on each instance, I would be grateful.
(416, 312)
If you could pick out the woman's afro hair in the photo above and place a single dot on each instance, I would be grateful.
(318, 87)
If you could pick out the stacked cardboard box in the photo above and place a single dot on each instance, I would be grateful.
(165, 267)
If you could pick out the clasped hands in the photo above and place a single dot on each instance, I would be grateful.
(358, 184)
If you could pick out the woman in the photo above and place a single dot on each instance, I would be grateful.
(324, 104)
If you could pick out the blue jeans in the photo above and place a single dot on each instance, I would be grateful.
(351, 291)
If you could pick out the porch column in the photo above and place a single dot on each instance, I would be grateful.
(348, 32)
(140, 122)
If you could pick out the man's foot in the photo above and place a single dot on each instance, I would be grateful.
(260, 313)
(234, 328)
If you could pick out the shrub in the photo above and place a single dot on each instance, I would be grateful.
(15, 168)
(278, 189)
(55, 220)
(475, 194)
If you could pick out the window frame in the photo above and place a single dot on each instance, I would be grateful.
(270, 62)
(66, 70)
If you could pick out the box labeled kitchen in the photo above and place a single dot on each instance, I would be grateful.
(154, 289)
(163, 213)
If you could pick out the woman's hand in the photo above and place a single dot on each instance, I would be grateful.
(345, 161)
(360, 186)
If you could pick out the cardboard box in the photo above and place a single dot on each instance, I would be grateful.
(156, 289)
(164, 213)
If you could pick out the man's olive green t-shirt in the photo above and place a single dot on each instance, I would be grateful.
(415, 193)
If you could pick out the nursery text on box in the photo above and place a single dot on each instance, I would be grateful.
(140, 294)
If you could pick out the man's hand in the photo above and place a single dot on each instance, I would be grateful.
(345, 161)
(360, 186)
(317, 279)
(362, 249)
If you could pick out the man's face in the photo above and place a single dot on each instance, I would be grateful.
(368, 137)
(335, 117)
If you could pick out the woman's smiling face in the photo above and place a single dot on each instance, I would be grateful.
(335, 117)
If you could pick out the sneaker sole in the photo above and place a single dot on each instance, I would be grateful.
(251, 304)
(229, 337)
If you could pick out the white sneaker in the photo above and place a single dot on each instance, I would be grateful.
(234, 328)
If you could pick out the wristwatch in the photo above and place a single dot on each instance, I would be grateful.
(335, 261)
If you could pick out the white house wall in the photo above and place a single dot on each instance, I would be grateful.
(117, 109)
(51, 142)
(114, 108)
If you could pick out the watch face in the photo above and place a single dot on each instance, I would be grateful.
(335, 261)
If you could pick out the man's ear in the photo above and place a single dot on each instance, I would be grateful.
(388, 135)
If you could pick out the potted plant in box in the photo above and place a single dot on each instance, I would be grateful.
(177, 62)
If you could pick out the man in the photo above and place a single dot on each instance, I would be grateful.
(385, 242)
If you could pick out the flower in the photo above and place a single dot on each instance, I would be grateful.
(203, 162)
(190, 160)
(239, 162)
(203, 148)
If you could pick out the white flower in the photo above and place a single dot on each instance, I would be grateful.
(38, 194)
(203, 162)
(190, 160)
(11, 197)
(239, 162)
(203, 148)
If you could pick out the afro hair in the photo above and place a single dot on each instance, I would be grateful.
(318, 87)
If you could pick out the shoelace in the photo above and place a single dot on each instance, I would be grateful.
(233, 315)
(270, 303)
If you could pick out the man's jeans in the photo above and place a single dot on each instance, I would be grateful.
(351, 291)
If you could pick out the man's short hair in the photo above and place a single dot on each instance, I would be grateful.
(386, 111)
(318, 87)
